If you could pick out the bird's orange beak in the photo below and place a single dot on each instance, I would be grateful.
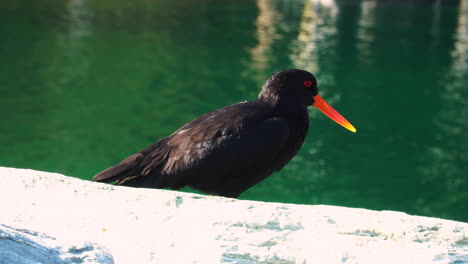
(332, 113)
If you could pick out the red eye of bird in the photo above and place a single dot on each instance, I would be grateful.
(308, 83)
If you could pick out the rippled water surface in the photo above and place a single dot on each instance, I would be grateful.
(85, 83)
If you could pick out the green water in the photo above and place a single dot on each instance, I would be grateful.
(85, 83)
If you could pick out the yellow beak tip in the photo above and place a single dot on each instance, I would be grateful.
(349, 127)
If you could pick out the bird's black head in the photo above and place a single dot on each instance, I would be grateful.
(292, 90)
(293, 86)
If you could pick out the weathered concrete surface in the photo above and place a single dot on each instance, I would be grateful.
(25, 247)
(157, 226)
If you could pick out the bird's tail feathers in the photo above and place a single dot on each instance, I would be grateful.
(125, 168)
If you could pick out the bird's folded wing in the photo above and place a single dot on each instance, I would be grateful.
(225, 154)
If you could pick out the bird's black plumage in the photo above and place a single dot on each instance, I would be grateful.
(229, 150)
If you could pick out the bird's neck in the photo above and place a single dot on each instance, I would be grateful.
(287, 109)
(291, 111)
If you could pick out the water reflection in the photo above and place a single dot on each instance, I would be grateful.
(276, 22)
(316, 31)
(71, 59)
(365, 31)
(446, 159)
(460, 52)
(266, 33)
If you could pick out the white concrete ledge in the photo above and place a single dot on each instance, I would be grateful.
(25, 247)
(130, 225)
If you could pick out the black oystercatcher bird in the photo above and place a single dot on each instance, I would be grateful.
(231, 149)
